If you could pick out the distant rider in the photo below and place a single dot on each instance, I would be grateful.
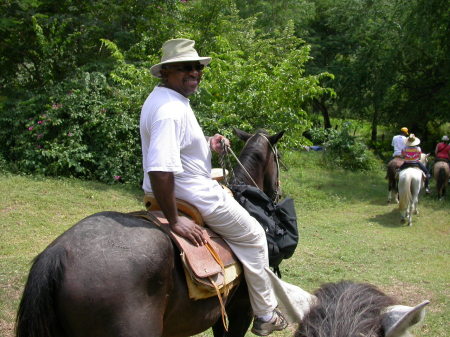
(411, 154)
(398, 142)
(442, 150)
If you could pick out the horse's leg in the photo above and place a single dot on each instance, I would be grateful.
(397, 200)
(409, 213)
(239, 313)
(389, 190)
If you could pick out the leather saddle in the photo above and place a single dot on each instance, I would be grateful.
(211, 269)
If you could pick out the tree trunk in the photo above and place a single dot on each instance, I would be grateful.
(320, 105)
(374, 125)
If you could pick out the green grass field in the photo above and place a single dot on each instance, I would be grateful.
(347, 231)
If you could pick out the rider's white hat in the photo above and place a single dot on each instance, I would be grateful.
(178, 50)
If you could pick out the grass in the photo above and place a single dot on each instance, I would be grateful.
(347, 230)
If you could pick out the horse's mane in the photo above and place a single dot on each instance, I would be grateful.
(345, 309)
(250, 157)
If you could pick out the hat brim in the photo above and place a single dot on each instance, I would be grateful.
(155, 70)
(414, 143)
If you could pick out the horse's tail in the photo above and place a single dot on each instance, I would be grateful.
(442, 176)
(36, 316)
(404, 186)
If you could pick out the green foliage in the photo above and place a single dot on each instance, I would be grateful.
(254, 90)
(74, 110)
(87, 128)
(343, 149)
(389, 59)
(3, 165)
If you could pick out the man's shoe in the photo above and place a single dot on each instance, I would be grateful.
(427, 191)
(276, 323)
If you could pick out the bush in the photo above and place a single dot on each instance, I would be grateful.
(84, 128)
(83, 120)
(345, 151)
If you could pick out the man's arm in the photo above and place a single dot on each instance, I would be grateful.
(163, 187)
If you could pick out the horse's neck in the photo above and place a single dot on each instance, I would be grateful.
(249, 174)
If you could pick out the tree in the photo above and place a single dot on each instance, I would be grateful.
(76, 111)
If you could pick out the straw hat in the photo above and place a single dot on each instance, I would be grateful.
(412, 140)
(178, 50)
(445, 138)
(405, 130)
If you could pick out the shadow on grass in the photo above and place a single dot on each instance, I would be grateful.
(391, 219)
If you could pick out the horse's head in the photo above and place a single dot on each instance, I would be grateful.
(260, 159)
(424, 158)
(345, 309)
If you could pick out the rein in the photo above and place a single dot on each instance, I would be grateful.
(227, 149)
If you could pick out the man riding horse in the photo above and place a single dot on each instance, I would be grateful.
(177, 164)
(398, 142)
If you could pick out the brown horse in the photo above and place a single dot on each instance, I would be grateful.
(113, 274)
(391, 172)
(116, 275)
(441, 174)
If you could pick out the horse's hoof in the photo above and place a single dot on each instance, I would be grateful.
(402, 220)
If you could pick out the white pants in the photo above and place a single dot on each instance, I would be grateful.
(247, 239)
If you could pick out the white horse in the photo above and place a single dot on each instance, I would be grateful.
(409, 185)
(393, 176)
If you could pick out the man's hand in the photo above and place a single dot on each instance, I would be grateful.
(163, 189)
(215, 142)
(188, 229)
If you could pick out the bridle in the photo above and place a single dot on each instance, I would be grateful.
(227, 149)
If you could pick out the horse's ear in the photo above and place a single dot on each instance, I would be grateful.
(275, 138)
(294, 302)
(399, 318)
(244, 136)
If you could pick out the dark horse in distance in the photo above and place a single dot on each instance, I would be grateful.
(391, 172)
(115, 275)
(441, 173)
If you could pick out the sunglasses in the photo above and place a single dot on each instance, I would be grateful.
(187, 68)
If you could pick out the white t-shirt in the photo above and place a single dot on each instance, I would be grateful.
(398, 142)
(172, 141)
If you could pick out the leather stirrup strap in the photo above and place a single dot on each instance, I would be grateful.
(222, 305)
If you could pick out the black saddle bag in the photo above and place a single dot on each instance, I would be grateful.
(279, 221)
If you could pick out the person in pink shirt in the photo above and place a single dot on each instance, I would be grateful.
(411, 154)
